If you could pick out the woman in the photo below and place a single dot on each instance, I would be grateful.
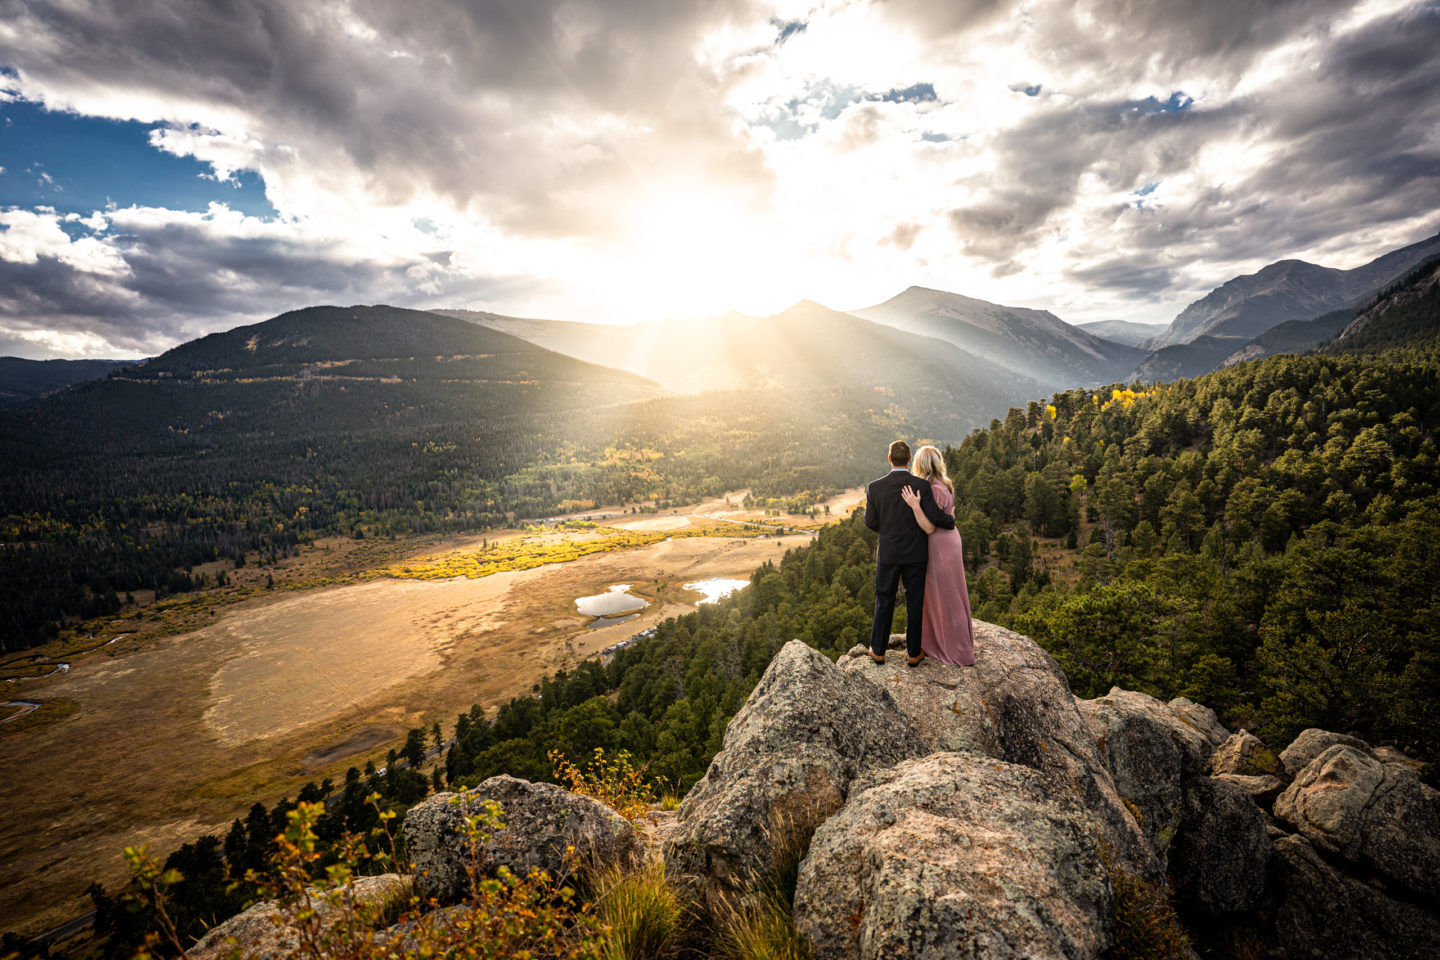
(946, 633)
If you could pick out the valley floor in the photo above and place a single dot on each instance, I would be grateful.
(170, 736)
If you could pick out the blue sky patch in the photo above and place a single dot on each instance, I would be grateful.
(787, 30)
(1177, 103)
(82, 164)
(915, 93)
(1030, 90)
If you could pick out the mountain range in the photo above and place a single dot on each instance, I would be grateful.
(1245, 307)
(931, 346)
(1126, 332)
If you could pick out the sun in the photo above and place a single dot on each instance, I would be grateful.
(692, 251)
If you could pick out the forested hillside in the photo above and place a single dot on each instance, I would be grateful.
(1263, 540)
(22, 379)
(369, 422)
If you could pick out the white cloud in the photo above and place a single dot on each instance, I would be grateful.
(28, 236)
(632, 159)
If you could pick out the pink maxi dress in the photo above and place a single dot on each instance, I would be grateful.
(946, 633)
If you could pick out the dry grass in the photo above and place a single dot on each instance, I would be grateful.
(152, 755)
(50, 711)
(644, 917)
(759, 927)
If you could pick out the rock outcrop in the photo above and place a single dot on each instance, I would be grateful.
(540, 823)
(1245, 756)
(1150, 751)
(788, 759)
(1013, 705)
(258, 934)
(1375, 815)
(1310, 744)
(955, 855)
(1323, 914)
(1200, 718)
(1263, 790)
(981, 812)
(1221, 852)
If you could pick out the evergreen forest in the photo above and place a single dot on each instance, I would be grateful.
(1262, 540)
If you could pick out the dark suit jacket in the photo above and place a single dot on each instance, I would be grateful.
(901, 539)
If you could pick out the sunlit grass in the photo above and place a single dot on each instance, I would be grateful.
(537, 549)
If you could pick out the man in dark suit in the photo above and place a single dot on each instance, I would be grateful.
(903, 553)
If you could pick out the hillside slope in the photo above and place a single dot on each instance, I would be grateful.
(1407, 315)
(318, 374)
(22, 379)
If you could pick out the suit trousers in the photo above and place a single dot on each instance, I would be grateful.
(888, 576)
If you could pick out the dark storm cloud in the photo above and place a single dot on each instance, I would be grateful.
(1160, 37)
(1351, 144)
(1040, 162)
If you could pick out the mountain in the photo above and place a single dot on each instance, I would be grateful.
(22, 379)
(945, 390)
(322, 376)
(1406, 315)
(1124, 332)
(1034, 344)
(1407, 312)
(1245, 307)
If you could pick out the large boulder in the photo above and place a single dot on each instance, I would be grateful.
(1013, 704)
(262, 933)
(1221, 851)
(1263, 790)
(1245, 755)
(540, 822)
(955, 855)
(1200, 718)
(1310, 744)
(1322, 914)
(1150, 752)
(787, 762)
(1376, 815)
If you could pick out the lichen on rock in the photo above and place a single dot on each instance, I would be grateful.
(956, 855)
(788, 759)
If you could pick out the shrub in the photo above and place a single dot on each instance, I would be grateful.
(614, 782)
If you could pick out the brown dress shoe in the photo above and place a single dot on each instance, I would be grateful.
(915, 661)
(875, 656)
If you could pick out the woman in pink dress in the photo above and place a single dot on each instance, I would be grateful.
(945, 633)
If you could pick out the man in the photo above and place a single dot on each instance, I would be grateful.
(903, 552)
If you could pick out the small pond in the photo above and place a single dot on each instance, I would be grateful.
(715, 588)
(615, 605)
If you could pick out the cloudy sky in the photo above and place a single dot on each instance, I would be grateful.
(172, 167)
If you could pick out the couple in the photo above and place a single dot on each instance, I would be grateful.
(914, 513)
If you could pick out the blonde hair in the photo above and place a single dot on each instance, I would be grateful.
(930, 465)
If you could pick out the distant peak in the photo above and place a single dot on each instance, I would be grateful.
(805, 306)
